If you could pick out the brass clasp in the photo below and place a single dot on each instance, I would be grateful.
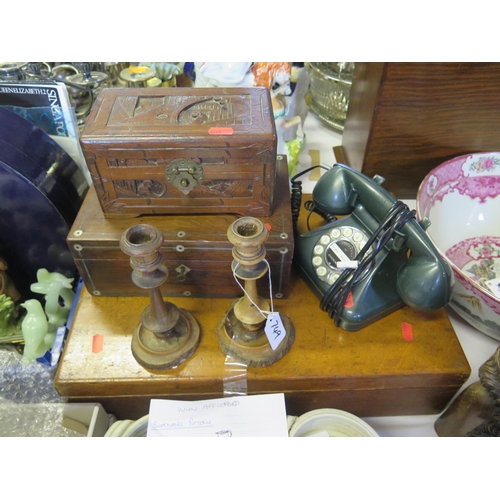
(184, 174)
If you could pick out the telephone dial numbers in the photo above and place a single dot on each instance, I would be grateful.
(336, 249)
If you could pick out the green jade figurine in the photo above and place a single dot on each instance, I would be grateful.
(35, 328)
(40, 326)
(55, 287)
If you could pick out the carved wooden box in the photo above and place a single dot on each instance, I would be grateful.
(196, 250)
(182, 151)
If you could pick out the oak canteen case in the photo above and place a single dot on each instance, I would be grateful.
(182, 151)
(373, 372)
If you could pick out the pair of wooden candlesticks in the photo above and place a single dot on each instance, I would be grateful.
(168, 335)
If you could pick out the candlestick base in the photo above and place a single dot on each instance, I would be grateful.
(252, 347)
(161, 352)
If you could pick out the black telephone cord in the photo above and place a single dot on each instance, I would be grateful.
(296, 200)
(335, 299)
(327, 302)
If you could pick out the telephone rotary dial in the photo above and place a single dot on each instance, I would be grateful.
(372, 261)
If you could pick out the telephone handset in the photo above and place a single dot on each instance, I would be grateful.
(374, 260)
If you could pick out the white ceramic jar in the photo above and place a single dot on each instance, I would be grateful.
(329, 423)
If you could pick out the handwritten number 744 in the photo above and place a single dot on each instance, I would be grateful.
(276, 330)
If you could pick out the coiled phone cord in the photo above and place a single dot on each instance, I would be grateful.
(296, 200)
(334, 300)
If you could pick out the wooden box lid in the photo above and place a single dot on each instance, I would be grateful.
(98, 236)
(204, 117)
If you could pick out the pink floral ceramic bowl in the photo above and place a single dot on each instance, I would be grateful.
(461, 198)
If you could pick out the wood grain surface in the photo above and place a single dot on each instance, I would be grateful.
(196, 250)
(133, 137)
(405, 119)
(375, 371)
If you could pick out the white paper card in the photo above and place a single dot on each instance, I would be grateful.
(239, 416)
(274, 329)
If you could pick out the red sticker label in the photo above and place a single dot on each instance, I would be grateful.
(349, 301)
(97, 343)
(221, 131)
(407, 330)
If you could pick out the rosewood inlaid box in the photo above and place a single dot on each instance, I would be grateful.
(196, 250)
(182, 151)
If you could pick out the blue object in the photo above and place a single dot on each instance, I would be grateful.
(41, 191)
(51, 358)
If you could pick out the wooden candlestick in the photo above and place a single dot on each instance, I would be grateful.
(242, 331)
(166, 335)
